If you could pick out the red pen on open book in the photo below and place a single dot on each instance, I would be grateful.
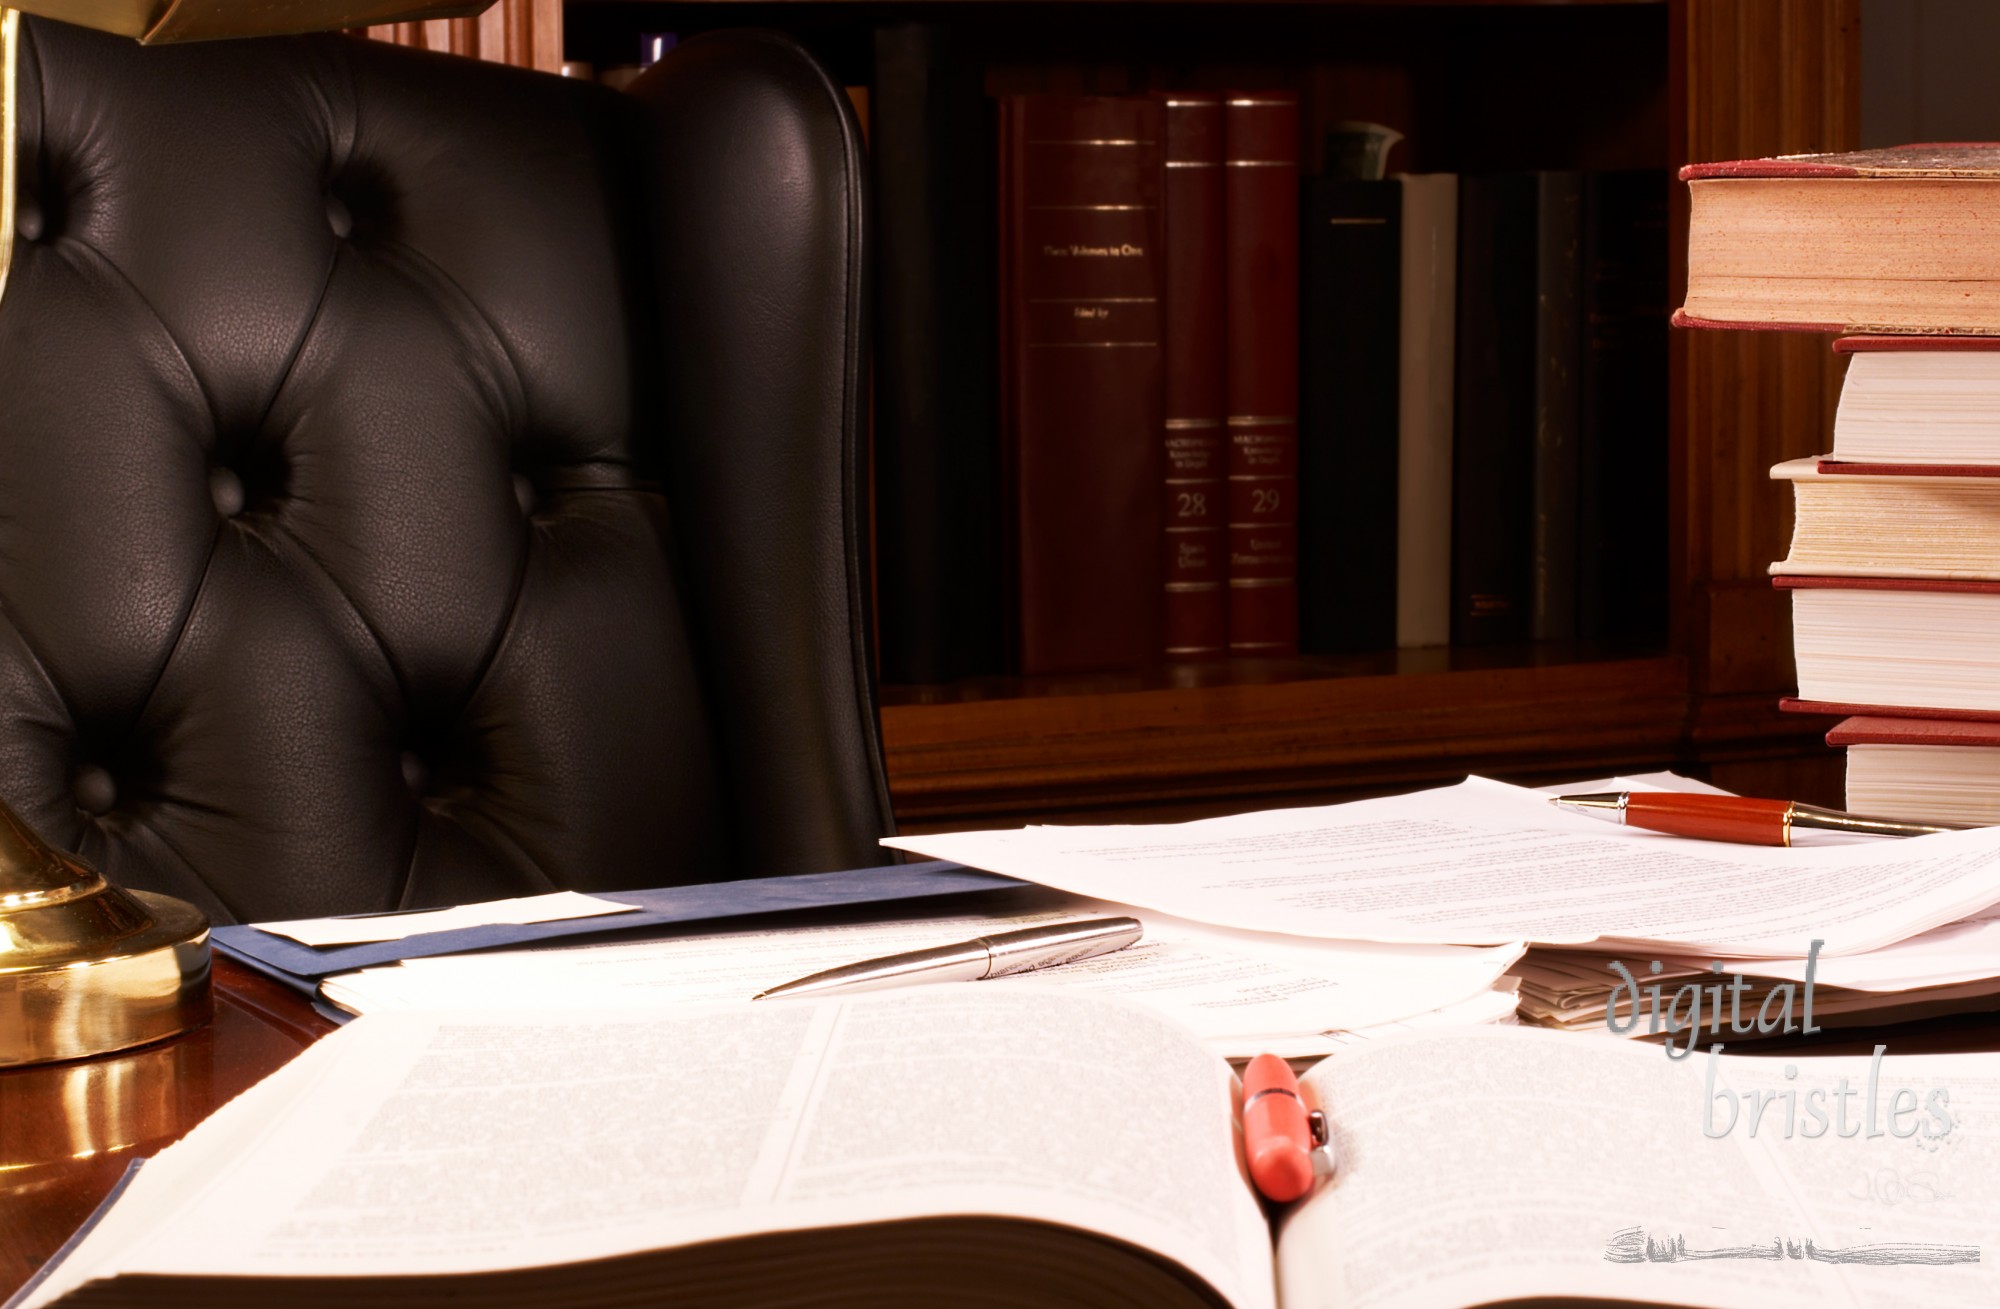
(1737, 818)
(1284, 1142)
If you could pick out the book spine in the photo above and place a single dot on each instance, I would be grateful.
(938, 507)
(1195, 554)
(1493, 442)
(1558, 390)
(1425, 368)
(1349, 245)
(1008, 291)
(1623, 448)
(1084, 369)
(1261, 271)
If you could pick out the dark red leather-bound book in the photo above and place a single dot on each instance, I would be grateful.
(1081, 325)
(1261, 268)
(1195, 557)
(1863, 241)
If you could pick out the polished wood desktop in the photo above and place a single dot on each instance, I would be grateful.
(67, 1131)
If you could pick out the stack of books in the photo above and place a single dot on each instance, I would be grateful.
(1894, 567)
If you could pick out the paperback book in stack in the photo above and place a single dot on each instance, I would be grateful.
(1894, 566)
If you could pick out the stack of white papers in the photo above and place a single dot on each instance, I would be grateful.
(1907, 928)
(1483, 863)
(1284, 930)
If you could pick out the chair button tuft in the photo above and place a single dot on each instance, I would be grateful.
(416, 774)
(339, 217)
(94, 790)
(29, 222)
(225, 488)
(525, 495)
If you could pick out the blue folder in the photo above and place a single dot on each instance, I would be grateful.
(302, 966)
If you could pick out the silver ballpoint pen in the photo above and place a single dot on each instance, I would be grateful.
(970, 961)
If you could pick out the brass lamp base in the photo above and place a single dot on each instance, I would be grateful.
(87, 967)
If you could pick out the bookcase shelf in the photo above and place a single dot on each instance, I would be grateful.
(1487, 84)
(1302, 731)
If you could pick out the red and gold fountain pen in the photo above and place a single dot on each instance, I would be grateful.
(1737, 818)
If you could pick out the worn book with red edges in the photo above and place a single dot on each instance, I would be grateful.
(1869, 729)
(1925, 770)
(1898, 645)
(1793, 704)
(1195, 553)
(1081, 368)
(1919, 405)
(1261, 368)
(1896, 521)
(1877, 241)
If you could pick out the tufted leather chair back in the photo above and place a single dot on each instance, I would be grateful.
(422, 480)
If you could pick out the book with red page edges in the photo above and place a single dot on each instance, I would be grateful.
(1081, 370)
(1886, 584)
(1895, 646)
(1195, 553)
(1873, 241)
(1880, 343)
(1870, 729)
(1261, 369)
(1858, 468)
(1917, 406)
(1925, 770)
(1793, 704)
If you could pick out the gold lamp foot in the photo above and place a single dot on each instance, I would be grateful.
(87, 967)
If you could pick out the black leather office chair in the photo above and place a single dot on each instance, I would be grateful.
(422, 480)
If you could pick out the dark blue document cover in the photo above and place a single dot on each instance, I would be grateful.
(302, 966)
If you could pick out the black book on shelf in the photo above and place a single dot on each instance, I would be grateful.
(1623, 468)
(938, 510)
(1552, 606)
(1493, 431)
(1349, 309)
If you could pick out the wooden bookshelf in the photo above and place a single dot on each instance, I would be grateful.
(1488, 84)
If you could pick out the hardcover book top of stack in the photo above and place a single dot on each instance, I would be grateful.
(1895, 240)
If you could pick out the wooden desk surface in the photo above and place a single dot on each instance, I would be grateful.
(67, 1131)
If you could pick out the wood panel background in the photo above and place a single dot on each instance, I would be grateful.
(1752, 78)
(1756, 77)
(525, 33)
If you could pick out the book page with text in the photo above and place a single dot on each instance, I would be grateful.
(1482, 1166)
(431, 1143)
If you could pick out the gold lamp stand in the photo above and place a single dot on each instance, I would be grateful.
(87, 967)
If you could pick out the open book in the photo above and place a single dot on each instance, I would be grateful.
(982, 1146)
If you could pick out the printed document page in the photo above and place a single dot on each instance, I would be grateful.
(1237, 989)
(1484, 1166)
(413, 1143)
(1484, 863)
